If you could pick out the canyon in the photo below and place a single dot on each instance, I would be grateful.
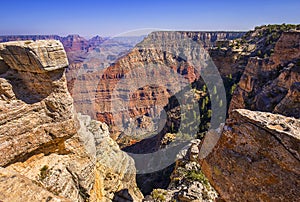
(149, 94)
(89, 68)
(257, 153)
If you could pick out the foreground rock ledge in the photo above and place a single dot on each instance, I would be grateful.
(50, 153)
(256, 158)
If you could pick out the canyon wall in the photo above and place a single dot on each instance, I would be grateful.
(271, 83)
(257, 155)
(152, 67)
(92, 78)
(62, 155)
(50, 153)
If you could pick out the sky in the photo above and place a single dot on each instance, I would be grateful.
(109, 18)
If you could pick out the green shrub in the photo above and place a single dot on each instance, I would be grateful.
(159, 195)
(44, 172)
(232, 89)
(198, 176)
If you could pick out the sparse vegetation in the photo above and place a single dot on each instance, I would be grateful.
(159, 195)
(266, 37)
(233, 87)
(259, 42)
(197, 176)
(44, 172)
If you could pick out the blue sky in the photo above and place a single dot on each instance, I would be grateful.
(107, 18)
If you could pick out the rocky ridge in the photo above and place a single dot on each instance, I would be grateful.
(269, 81)
(52, 153)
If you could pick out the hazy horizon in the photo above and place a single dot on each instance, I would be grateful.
(111, 18)
(125, 34)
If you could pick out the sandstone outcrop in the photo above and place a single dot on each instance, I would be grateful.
(256, 158)
(23, 189)
(35, 99)
(50, 153)
(71, 43)
(114, 169)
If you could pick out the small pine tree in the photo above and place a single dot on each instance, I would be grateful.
(259, 53)
(206, 100)
(203, 105)
(172, 127)
(233, 87)
(221, 103)
(215, 90)
(209, 113)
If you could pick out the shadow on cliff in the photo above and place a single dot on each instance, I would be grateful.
(122, 196)
(32, 87)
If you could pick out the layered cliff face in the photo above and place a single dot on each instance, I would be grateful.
(257, 155)
(84, 72)
(269, 83)
(49, 152)
(91, 85)
(257, 158)
(156, 57)
(243, 166)
(208, 39)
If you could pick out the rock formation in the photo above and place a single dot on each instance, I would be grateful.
(270, 83)
(91, 87)
(23, 188)
(71, 43)
(50, 153)
(164, 52)
(257, 158)
(59, 155)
